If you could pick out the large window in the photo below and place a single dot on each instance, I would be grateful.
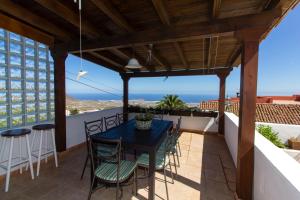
(26, 81)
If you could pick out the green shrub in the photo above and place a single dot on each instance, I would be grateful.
(74, 111)
(268, 133)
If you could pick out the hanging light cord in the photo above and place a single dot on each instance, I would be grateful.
(80, 35)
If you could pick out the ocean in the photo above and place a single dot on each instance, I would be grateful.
(188, 98)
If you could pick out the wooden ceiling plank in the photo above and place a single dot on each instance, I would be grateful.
(99, 61)
(23, 29)
(120, 54)
(165, 19)
(181, 54)
(106, 7)
(106, 59)
(70, 16)
(25, 15)
(186, 32)
(161, 11)
(215, 8)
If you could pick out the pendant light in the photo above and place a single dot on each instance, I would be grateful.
(81, 72)
(133, 63)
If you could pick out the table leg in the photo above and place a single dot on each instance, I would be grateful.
(151, 179)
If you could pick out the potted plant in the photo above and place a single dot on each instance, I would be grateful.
(294, 143)
(143, 121)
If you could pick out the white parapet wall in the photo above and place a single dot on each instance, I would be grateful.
(285, 131)
(75, 124)
(75, 132)
(276, 174)
(205, 124)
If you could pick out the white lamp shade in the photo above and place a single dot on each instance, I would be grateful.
(81, 74)
(133, 64)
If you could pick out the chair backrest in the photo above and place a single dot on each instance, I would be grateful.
(105, 151)
(93, 127)
(120, 118)
(110, 122)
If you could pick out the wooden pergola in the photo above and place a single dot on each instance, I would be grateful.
(189, 37)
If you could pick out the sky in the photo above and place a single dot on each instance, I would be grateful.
(279, 70)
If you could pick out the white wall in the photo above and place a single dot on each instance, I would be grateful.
(276, 174)
(75, 132)
(75, 124)
(285, 131)
(206, 124)
(231, 134)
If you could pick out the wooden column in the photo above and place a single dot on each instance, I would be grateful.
(59, 57)
(125, 97)
(248, 89)
(222, 77)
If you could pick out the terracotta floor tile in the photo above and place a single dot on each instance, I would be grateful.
(200, 176)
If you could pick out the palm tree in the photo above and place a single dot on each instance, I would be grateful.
(171, 102)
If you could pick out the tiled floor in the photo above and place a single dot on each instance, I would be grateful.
(206, 172)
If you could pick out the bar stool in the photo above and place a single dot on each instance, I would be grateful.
(11, 135)
(44, 129)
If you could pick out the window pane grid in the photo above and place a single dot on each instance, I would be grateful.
(26, 81)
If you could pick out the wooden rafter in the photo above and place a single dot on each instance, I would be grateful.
(108, 8)
(181, 54)
(215, 8)
(32, 19)
(120, 54)
(96, 59)
(106, 59)
(182, 33)
(165, 19)
(25, 30)
(70, 16)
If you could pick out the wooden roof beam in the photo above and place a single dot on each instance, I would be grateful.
(181, 33)
(164, 17)
(106, 7)
(24, 15)
(177, 73)
(70, 16)
(181, 54)
(106, 59)
(215, 8)
(18, 27)
(96, 59)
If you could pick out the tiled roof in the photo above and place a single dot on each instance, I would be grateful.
(265, 112)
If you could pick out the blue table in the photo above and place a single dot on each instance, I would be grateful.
(146, 141)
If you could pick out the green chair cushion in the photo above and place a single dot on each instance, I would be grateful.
(108, 171)
(143, 160)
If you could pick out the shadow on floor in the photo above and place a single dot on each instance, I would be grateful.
(206, 172)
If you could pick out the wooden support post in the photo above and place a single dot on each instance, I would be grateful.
(59, 57)
(222, 77)
(248, 89)
(125, 97)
